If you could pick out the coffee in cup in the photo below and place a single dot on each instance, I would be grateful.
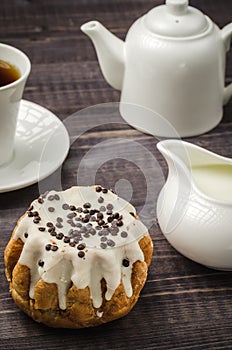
(8, 73)
(14, 70)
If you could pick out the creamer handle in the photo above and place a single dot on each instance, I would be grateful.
(226, 36)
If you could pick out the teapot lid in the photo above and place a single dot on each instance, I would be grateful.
(176, 19)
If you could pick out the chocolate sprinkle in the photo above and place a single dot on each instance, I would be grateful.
(103, 245)
(41, 263)
(81, 254)
(51, 209)
(71, 215)
(104, 190)
(109, 206)
(98, 189)
(42, 229)
(83, 229)
(100, 216)
(100, 200)
(59, 235)
(110, 218)
(25, 234)
(54, 248)
(65, 206)
(114, 231)
(70, 232)
(124, 234)
(70, 222)
(48, 247)
(119, 223)
(72, 244)
(105, 232)
(92, 231)
(85, 219)
(110, 243)
(50, 224)
(53, 233)
(30, 214)
(72, 207)
(101, 222)
(66, 239)
(87, 205)
(114, 223)
(125, 262)
(81, 246)
(51, 197)
(40, 200)
(57, 197)
(102, 208)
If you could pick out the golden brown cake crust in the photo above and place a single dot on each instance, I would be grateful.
(79, 312)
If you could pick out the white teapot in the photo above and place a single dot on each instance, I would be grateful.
(172, 63)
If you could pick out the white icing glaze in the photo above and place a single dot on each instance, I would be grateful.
(103, 254)
(99, 314)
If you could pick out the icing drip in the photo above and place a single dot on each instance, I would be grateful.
(99, 314)
(80, 236)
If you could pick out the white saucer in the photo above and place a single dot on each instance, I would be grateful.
(41, 146)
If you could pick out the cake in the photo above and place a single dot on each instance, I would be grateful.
(78, 258)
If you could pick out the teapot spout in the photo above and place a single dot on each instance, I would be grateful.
(110, 52)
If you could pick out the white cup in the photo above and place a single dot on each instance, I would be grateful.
(10, 97)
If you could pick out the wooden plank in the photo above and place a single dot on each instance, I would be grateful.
(183, 305)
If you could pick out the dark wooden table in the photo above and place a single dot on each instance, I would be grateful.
(183, 305)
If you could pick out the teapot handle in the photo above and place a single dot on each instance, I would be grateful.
(226, 37)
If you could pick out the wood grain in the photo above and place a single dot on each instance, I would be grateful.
(183, 305)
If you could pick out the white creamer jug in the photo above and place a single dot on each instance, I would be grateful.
(194, 207)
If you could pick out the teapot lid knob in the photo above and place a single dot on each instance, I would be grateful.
(176, 19)
(177, 7)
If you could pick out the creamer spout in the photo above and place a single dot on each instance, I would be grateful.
(176, 153)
